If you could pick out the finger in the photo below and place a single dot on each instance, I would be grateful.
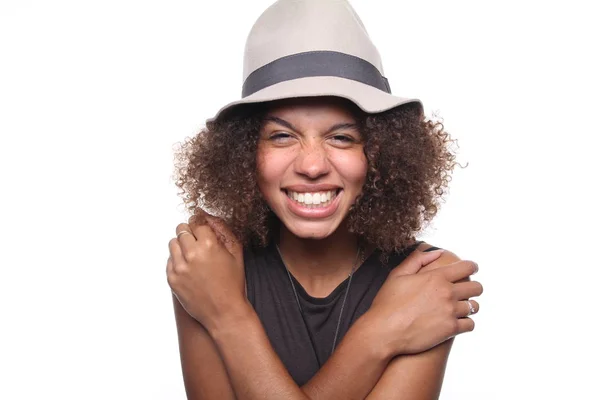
(465, 290)
(170, 271)
(463, 310)
(465, 325)
(458, 270)
(417, 260)
(446, 259)
(202, 230)
(176, 252)
(185, 236)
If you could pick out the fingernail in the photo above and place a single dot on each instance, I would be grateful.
(476, 268)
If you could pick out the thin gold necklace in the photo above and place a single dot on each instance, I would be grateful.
(337, 328)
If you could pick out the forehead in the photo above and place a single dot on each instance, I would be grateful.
(314, 107)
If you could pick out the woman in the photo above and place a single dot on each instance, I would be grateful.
(308, 281)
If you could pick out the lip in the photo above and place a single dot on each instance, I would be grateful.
(313, 213)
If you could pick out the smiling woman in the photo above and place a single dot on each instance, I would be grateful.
(310, 150)
(306, 280)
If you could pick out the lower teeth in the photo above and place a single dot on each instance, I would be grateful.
(315, 205)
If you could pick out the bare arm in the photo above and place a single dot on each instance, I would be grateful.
(417, 376)
(351, 372)
(257, 372)
(414, 376)
(204, 374)
(222, 342)
(258, 368)
(407, 376)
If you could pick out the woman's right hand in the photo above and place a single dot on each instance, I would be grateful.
(419, 306)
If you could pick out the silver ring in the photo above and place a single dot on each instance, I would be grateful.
(181, 233)
(471, 308)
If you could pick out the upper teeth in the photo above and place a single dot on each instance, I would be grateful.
(312, 198)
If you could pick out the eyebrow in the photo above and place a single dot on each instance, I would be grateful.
(283, 122)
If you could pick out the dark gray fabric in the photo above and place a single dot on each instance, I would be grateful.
(304, 344)
(315, 63)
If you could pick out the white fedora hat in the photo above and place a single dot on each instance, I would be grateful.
(304, 48)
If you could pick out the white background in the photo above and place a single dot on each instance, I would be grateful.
(93, 96)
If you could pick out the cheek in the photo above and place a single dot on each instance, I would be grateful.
(271, 167)
(351, 166)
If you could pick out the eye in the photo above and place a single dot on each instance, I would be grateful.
(281, 137)
(342, 138)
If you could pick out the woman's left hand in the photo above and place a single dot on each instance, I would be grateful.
(205, 269)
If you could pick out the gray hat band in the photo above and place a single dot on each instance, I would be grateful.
(312, 64)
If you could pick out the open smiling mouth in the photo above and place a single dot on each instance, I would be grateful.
(313, 200)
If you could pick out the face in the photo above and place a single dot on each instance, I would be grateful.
(311, 164)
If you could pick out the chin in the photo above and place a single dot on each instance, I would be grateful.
(312, 235)
(311, 230)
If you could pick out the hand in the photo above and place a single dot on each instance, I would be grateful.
(420, 306)
(205, 269)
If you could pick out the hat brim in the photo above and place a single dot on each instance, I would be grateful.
(367, 98)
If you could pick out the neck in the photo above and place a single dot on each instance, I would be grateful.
(320, 265)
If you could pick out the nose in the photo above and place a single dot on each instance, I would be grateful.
(312, 160)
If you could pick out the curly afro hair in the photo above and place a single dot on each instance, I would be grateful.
(410, 162)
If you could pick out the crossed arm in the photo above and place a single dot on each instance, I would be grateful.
(236, 361)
